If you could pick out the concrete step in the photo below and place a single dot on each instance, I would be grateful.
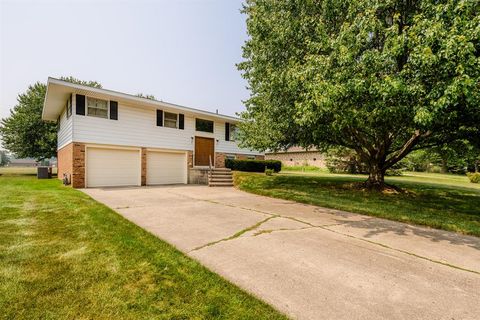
(220, 175)
(220, 180)
(220, 184)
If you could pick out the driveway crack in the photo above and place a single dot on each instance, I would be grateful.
(236, 235)
(312, 226)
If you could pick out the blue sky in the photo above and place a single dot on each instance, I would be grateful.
(182, 52)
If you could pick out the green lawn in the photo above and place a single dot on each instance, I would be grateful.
(446, 202)
(65, 256)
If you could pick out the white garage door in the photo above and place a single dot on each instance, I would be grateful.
(166, 168)
(112, 167)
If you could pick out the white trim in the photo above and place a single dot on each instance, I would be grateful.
(142, 101)
(108, 107)
(177, 123)
(166, 150)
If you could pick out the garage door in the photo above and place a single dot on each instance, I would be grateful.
(166, 168)
(112, 167)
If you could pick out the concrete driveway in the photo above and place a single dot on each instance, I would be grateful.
(311, 262)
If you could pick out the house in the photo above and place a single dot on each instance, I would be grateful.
(23, 162)
(297, 156)
(109, 138)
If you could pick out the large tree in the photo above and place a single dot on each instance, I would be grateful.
(24, 133)
(381, 77)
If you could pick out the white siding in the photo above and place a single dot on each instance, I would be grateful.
(137, 127)
(134, 127)
(65, 134)
(228, 146)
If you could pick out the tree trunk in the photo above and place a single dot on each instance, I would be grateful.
(444, 165)
(376, 178)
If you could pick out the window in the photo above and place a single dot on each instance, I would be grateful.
(69, 107)
(230, 157)
(170, 120)
(204, 125)
(97, 108)
(251, 157)
(233, 132)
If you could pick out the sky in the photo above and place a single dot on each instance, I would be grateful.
(181, 51)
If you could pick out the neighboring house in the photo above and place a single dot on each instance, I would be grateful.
(297, 156)
(108, 138)
(24, 162)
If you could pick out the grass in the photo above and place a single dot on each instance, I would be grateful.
(305, 169)
(21, 171)
(64, 255)
(447, 202)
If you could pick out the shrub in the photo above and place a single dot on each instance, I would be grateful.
(269, 172)
(253, 165)
(474, 177)
(394, 172)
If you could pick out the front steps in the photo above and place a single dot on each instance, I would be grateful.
(220, 177)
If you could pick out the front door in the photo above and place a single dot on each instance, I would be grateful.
(204, 148)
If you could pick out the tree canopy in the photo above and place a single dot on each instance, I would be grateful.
(382, 78)
(24, 133)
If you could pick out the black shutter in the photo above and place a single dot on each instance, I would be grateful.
(80, 104)
(160, 118)
(181, 121)
(114, 110)
(227, 131)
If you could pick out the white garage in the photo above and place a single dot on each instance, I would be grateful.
(166, 167)
(112, 167)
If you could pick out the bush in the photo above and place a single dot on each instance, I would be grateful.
(474, 177)
(253, 165)
(394, 172)
(269, 172)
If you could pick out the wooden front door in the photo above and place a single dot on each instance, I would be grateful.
(204, 148)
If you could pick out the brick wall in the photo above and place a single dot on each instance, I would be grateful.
(190, 159)
(312, 158)
(219, 160)
(65, 161)
(78, 174)
(144, 167)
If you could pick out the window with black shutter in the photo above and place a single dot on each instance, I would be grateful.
(80, 104)
(69, 107)
(181, 121)
(160, 118)
(227, 131)
(113, 110)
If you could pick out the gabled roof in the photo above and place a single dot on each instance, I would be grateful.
(58, 92)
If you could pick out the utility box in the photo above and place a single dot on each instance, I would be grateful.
(44, 172)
